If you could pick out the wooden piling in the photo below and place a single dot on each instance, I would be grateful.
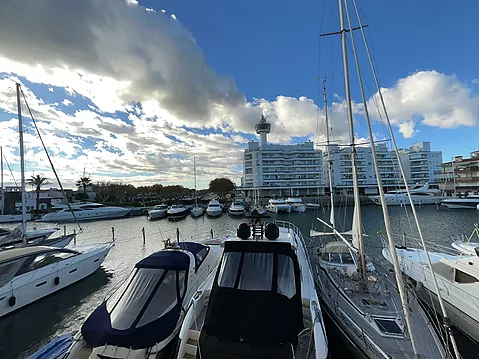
(144, 236)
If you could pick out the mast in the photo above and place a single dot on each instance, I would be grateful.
(194, 170)
(22, 162)
(1, 185)
(328, 159)
(357, 228)
(454, 177)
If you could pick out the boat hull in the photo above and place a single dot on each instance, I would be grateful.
(465, 203)
(298, 208)
(12, 218)
(214, 213)
(236, 213)
(157, 214)
(278, 208)
(401, 200)
(197, 212)
(32, 286)
(85, 215)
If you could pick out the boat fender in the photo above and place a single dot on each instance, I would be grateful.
(418, 286)
(12, 301)
(56, 280)
(243, 231)
(271, 231)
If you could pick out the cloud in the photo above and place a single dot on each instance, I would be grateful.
(67, 102)
(475, 81)
(430, 98)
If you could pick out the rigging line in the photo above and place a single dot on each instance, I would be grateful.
(10, 169)
(447, 322)
(50, 160)
(387, 222)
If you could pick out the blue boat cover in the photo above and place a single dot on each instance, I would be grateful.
(192, 247)
(56, 349)
(174, 260)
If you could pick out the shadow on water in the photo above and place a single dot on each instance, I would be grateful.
(31, 327)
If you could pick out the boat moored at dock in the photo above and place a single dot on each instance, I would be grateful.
(85, 211)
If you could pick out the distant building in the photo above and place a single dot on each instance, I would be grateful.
(281, 170)
(420, 164)
(342, 173)
(460, 176)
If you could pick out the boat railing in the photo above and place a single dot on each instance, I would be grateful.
(413, 242)
(295, 230)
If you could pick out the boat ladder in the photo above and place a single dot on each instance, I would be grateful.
(191, 346)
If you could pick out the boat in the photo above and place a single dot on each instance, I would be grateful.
(176, 212)
(238, 313)
(236, 209)
(278, 205)
(367, 304)
(85, 211)
(421, 194)
(297, 204)
(16, 239)
(32, 272)
(37, 234)
(13, 218)
(196, 211)
(312, 205)
(158, 211)
(214, 209)
(469, 202)
(143, 316)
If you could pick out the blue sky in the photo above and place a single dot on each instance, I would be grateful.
(136, 97)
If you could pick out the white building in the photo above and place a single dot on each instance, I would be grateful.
(420, 164)
(342, 174)
(281, 170)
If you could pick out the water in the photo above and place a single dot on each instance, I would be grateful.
(23, 332)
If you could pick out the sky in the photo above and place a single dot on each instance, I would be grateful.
(132, 91)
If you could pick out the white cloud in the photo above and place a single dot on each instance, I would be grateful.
(67, 102)
(475, 81)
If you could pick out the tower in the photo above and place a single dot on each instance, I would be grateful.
(263, 127)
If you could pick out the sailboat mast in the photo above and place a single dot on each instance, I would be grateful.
(194, 170)
(22, 162)
(328, 158)
(1, 185)
(454, 177)
(357, 207)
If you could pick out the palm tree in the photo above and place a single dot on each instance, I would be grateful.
(84, 182)
(37, 181)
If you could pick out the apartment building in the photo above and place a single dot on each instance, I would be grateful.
(421, 164)
(460, 176)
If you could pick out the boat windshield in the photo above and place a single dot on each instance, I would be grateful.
(213, 205)
(146, 296)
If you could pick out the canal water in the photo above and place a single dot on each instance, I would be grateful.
(26, 330)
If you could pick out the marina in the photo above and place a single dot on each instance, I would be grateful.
(65, 311)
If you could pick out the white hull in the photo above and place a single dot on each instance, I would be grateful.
(236, 213)
(466, 248)
(214, 212)
(460, 203)
(276, 208)
(12, 218)
(32, 286)
(401, 200)
(86, 215)
(197, 212)
(157, 213)
(298, 208)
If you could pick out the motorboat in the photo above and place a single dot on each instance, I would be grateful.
(145, 314)
(15, 239)
(35, 235)
(457, 280)
(214, 209)
(238, 313)
(176, 212)
(260, 210)
(32, 272)
(421, 194)
(312, 205)
(278, 205)
(470, 202)
(12, 218)
(158, 211)
(297, 204)
(84, 212)
(236, 209)
(197, 211)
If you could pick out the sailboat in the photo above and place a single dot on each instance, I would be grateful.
(196, 211)
(367, 304)
(20, 236)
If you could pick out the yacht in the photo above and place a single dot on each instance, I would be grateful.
(158, 211)
(469, 202)
(35, 235)
(237, 313)
(42, 237)
(236, 209)
(297, 204)
(33, 272)
(214, 209)
(278, 205)
(457, 280)
(12, 218)
(145, 314)
(312, 205)
(84, 212)
(177, 211)
(421, 194)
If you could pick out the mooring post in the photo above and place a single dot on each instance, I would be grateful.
(211, 233)
(143, 233)
(177, 235)
(64, 230)
(113, 233)
(74, 236)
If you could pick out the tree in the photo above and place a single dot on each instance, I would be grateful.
(84, 182)
(37, 181)
(221, 186)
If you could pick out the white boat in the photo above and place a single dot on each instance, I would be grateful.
(236, 209)
(16, 239)
(422, 194)
(470, 202)
(466, 248)
(238, 313)
(214, 209)
(35, 235)
(33, 272)
(311, 205)
(297, 204)
(259, 209)
(176, 212)
(158, 211)
(145, 314)
(278, 205)
(457, 279)
(85, 211)
(12, 218)
(196, 211)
